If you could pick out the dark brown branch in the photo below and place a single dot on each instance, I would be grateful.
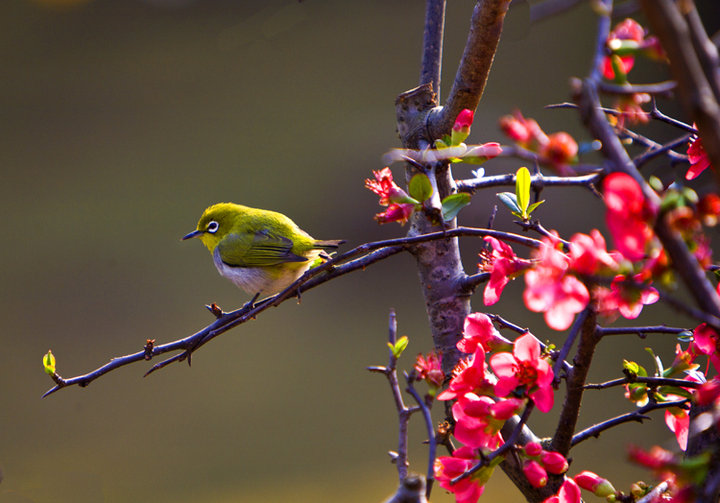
(485, 29)
(653, 381)
(636, 415)
(660, 88)
(562, 440)
(431, 65)
(537, 181)
(697, 95)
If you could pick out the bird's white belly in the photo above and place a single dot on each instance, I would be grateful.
(257, 279)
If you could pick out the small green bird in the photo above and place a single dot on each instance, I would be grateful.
(260, 251)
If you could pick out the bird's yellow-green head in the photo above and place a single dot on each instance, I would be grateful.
(217, 221)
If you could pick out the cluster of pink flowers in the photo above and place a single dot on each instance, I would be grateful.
(557, 150)
(483, 403)
(554, 278)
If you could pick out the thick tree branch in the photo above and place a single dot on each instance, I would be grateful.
(585, 325)
(485, 29)
(698, 87)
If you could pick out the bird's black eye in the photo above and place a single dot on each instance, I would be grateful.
(212, 227)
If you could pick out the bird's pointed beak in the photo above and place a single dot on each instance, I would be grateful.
(193, 234)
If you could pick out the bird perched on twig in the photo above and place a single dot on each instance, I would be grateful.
(260, 251)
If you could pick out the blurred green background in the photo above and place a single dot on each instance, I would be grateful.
(120, 121)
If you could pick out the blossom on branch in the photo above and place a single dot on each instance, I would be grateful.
(588, 254)
(698, 158)
(503, 265)
(557, 150)
(400, 204)
(625, 297)
(479, 330)
(396, 213)
(468, 377)
(429, 369)
(446, 468)
(525, 372)
(569, 493)
(623, 43)
(552, 290)
(628, 215)
(475, 424)
(706, 341)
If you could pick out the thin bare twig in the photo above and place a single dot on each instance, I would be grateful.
(636, 415)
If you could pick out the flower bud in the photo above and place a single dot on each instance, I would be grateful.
(533, 449)
(594, 483)
(554, 462)
(461, 128)
(535, 473)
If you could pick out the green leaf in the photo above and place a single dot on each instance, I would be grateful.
(522, 189)
(471, 159)
(453, 203)
(510, 200)
(532, 207)
(420, 187)
(399, 346)
(659, 369)
(634, 368)
(49, 363)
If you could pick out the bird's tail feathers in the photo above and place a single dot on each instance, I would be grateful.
(330, 244)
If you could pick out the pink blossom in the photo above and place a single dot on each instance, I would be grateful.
(560, 151)
(550, 290)
(569, 493)
(678, 421)
(533, 449)
(706, 342)
(629, 298)
(430, 369)
(446, 468)
(709, 392)
(479, 331)
(503, 264)
(698, 158)
(396, 213)
(468, 376)
(588, 254)
(524, 367)
(628, 214)
(628, 29)
(526, 132)
(474, 425)
(386, 188)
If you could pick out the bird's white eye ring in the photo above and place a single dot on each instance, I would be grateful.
(212, 227)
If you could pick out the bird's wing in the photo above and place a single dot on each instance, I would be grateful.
(262, 249)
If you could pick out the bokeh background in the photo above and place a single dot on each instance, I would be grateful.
(120, 121)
